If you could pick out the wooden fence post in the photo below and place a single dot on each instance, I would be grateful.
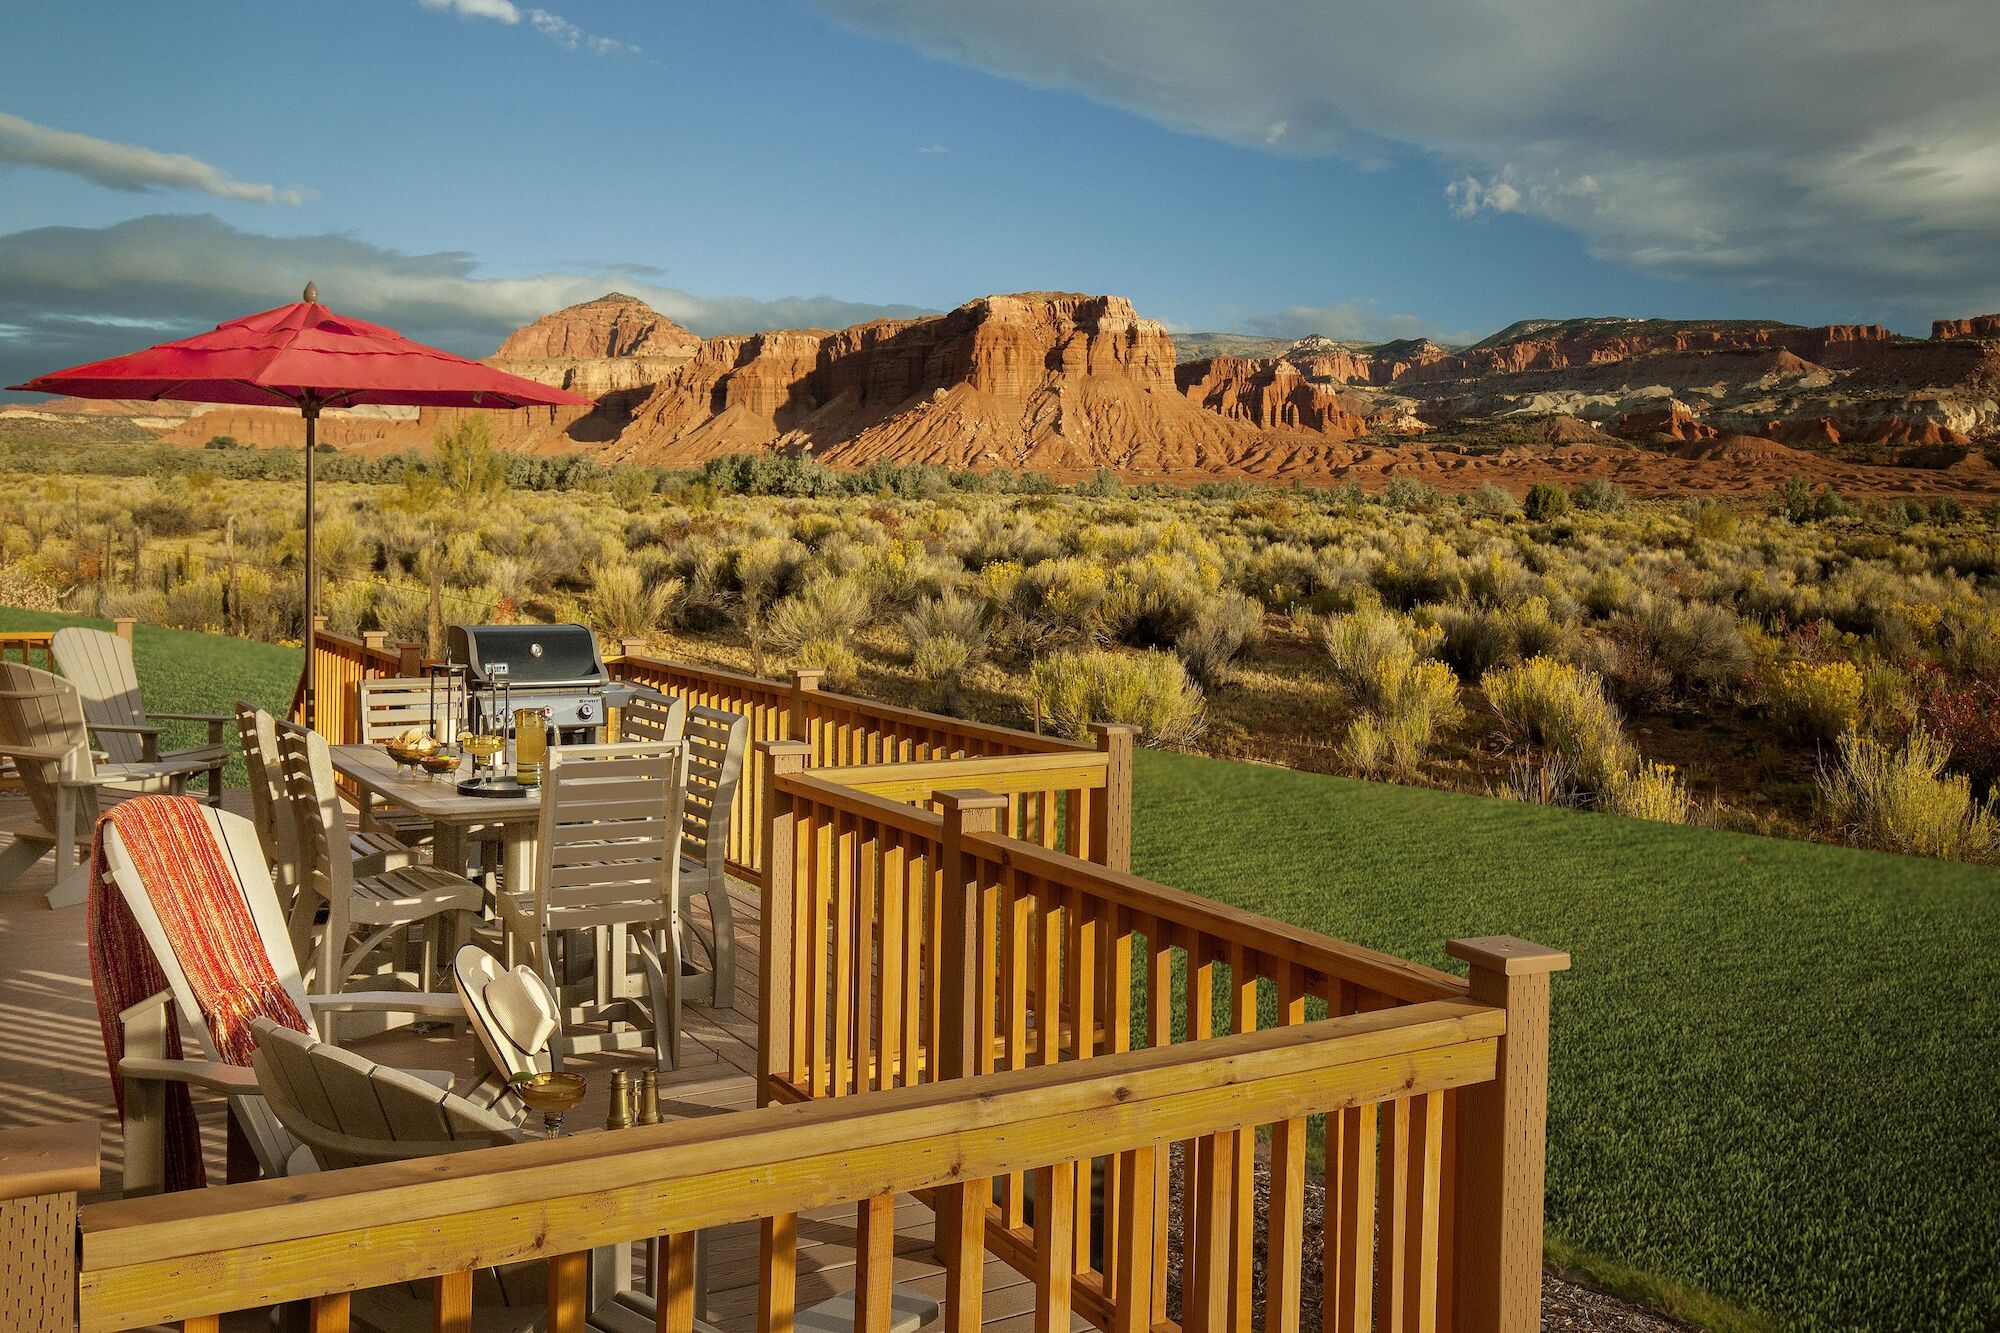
(42, 1170)
(805, 680)
(122, 627)
(1111, 812)
(409, 659)
(775, 1057)
(1503, 1143)
(375, 640)
(631, 647)
(958, 970)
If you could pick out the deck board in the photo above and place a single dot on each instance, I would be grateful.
(52, 1069)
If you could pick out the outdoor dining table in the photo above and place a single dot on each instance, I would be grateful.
(517, 818)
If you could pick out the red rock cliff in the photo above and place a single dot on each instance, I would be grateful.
(1979, 326)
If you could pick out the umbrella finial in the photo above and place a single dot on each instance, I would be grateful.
(312, 293)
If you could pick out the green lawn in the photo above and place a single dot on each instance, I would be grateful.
(184, 672)
(1775, 1074)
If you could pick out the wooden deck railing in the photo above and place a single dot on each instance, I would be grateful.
(1050, 781)
(905, 946)
(1392, 1258)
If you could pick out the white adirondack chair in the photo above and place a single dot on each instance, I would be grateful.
(717, 743)
(145, 1070)
(42, 731)
(609, 865)
(100, 666)
(391, 705)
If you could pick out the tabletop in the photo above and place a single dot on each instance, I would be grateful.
(370, 768)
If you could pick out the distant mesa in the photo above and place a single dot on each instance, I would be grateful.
(1979, 326)
(1068, 383)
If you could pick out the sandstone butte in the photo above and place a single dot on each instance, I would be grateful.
(1069, 383)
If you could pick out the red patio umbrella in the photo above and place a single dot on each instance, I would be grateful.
(307, 357)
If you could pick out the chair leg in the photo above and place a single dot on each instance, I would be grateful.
(722, 952)
(427, 957)
(21, 855)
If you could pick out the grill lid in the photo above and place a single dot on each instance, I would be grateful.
(527, 655)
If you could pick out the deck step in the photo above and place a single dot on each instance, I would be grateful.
(634, 1312)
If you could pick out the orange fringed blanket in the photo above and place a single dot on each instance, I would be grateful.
(199, 901)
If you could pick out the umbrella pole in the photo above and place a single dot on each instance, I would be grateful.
(309, 716)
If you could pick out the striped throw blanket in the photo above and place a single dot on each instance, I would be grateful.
(199, 901)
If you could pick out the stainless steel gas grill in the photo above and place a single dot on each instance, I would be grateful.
(552, 667)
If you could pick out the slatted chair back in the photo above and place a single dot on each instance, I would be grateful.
(353, 1112)
(717, 743)
(270, 809)
(651, 716)
(326, 868)
(610, 847)
(99, 664)
(42, 729)
(393, 704)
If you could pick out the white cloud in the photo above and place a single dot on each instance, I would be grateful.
(123, 166)
(933, 150)
(82, 293)
(1356, 320)
(1844, 148)
(477, 9)
(1278, 130)
(552, 26)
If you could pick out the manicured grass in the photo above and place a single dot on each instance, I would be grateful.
(1775, 1073)
(183, 672)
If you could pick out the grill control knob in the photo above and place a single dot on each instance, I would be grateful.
(583, 711)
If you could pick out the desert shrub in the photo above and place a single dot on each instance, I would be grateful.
(1945, 509)
(828, 610)
(1545, 500)
(1905, 512)
(1697, 645)
(1151, 602)
(1074, 688)
(1407, 494)
(831, 655)
(1476, 639)
(1899, 798)
(624, 604)
(1609, 591)
(1564, 709)
(1599, 495)
(1056, 602)
(1650, 791)
(1815, 700)
(1492, 500)
(1712, 520)
(1368, 647)
(954, 617)
(1223, 629)
(1392, 746)
(1964, 715)
(28, 588)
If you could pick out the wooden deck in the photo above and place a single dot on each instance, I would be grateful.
(53, 1071)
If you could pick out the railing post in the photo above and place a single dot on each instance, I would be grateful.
(1111, 812)
(805, 680)
(775, 1057)
(409, 659)
(42, 1170)
(375, 641)
(1503, 1142)
(631, 647)
(122, 627)
(958, 969)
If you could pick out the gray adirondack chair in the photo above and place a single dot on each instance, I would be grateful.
(42, 730)
(100, 666)
(717, 743)
(145, 1071)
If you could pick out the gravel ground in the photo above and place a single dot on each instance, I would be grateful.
(1567, 1307)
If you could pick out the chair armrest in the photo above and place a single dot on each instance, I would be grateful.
(390, 1001)
(12, 751)
(229, 1080)
(149, 735)
(215, 718)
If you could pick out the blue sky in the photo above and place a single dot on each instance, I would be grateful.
(459, 171)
